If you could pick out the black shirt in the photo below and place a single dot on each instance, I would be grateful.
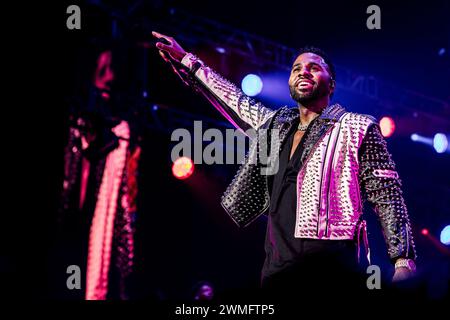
(280, 245)
(283, 249)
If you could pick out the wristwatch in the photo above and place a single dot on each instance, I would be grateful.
(406, 263)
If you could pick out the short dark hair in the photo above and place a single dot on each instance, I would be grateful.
(321, 53)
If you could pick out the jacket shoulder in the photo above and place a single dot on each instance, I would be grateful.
(361, 117)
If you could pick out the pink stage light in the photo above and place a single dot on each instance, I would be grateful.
(183, 168)
(387, 126)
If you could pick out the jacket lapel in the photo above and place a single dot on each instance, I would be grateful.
(283, 121)
(319, 128)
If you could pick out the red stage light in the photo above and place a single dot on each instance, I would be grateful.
(387, 126)
(183, 168)
(425, 232)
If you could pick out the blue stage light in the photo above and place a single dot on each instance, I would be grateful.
(445, 235)
(440, 142)
(251, 85)
(220, 50)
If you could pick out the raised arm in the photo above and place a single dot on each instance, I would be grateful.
(242, 111)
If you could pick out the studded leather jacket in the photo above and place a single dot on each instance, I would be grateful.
(345, 162)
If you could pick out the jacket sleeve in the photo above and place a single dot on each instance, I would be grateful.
(381, 186)
(242, 111)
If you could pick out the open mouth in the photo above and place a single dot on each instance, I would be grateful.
(304, 83)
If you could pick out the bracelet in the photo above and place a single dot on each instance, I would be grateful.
(405, 263)
(195, 62)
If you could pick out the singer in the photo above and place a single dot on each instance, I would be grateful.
(330, 161)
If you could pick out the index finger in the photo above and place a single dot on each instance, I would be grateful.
(160, 35)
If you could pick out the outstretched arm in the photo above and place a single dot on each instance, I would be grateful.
(382, 186)
(242, 111)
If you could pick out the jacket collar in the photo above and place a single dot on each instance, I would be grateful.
(287, 117)
(332, 112)
(316, 131)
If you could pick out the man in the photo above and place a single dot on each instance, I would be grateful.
(99, 190)
(329, 160)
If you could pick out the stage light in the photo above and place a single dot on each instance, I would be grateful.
(387, 126)
(445, 235)
(220, 50)
(440, 142)
(251, 85)
(183, 168)
(425, 231)
(414, 137)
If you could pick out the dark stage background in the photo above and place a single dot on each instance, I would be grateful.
(183, 234)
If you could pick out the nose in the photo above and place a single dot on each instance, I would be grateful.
(304, 73)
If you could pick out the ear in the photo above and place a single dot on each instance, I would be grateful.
(332, 85)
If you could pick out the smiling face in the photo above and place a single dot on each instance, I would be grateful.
(310, 78)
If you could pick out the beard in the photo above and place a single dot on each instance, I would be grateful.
(318, 91)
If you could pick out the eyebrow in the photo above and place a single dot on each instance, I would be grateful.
(314, 63)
